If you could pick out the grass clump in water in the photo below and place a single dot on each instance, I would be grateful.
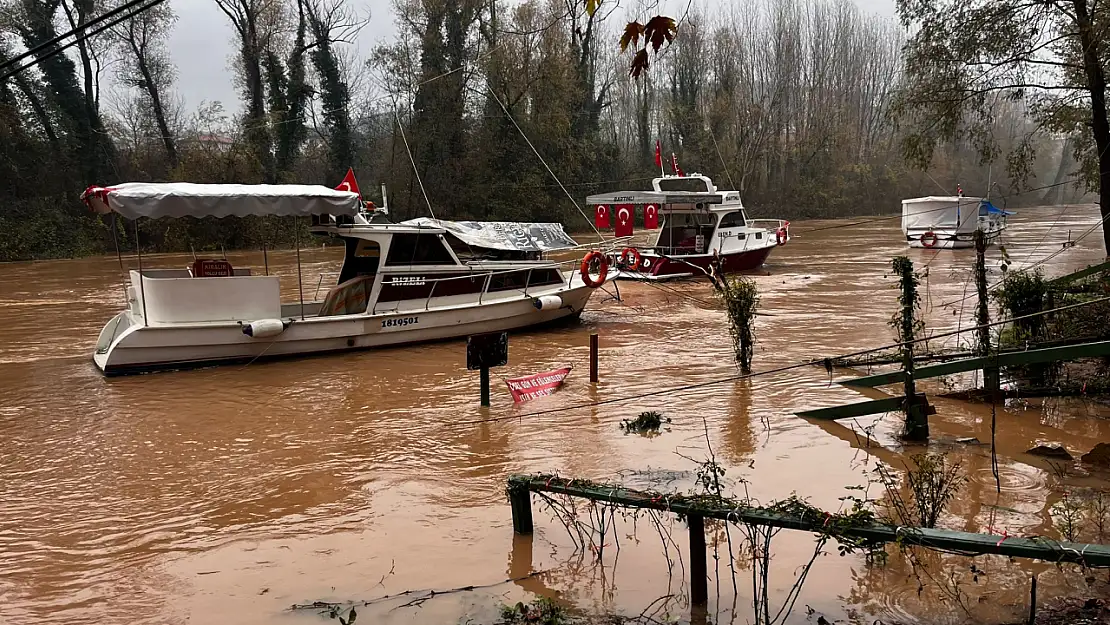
(541, 611)
(648, 423)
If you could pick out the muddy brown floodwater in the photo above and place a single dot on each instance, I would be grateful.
(227, 494)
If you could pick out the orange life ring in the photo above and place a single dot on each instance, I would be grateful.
(929, 236)
(781, 236)
(631, 252)
(603, 269)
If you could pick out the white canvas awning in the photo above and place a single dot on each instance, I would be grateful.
(185, 199)
(959, 214)
(503, 235)
(655, 197)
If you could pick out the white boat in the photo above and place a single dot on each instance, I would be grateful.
(697, 227)
(950, 222)
(399, 283)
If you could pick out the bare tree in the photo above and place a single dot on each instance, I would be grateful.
(144, 64)
(256, 24)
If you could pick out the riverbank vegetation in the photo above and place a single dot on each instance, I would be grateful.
(789, 103)
(1024, 294)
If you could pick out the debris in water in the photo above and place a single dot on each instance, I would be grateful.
(1099, 456)
(647, 423)
(1050, 451)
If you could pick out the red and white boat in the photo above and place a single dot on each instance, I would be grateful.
(695, 227)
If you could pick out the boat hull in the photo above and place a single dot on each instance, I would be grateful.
(138, 348)
(950, 240)
(654, 267)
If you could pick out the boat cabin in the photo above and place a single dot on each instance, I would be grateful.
(398, 283)
(386, 267)
(695, 218)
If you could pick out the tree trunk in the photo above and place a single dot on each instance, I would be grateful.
(156, 105)
(1100, 126)
(41, 114)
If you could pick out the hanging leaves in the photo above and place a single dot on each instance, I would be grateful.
(639, 63)
(659, 31)
(631, 35)
(591, 6)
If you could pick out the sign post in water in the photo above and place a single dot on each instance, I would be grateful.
(484, 351)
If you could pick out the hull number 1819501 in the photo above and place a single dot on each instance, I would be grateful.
(400, 321)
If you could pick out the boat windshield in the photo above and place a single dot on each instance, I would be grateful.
(686, 233)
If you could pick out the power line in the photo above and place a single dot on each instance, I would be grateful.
(864, 222)
(744, 376)
(1034, 265)
(82, 36)
(46, 44)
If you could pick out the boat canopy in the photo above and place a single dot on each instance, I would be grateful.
(959, 213)
(655, 197)
(990, 209)
(503, 235)
(186, 199)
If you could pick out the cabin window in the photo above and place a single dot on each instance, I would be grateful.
(759, 235)
(418, 249)
(362, 259)
(694, 185)
(733, 220)
(682, 232)
(368, 249)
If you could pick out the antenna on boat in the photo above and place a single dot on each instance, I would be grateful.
(512, 119)
(415, 169)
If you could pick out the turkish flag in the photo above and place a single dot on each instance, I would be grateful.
(349, 183)
(658, 155)
(601, 216)
(651, 216)
(674, 163)
(624, 219)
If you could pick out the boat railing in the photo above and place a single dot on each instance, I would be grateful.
(769, 224)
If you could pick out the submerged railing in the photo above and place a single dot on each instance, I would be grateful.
(802, 517)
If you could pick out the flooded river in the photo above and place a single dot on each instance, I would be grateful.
(227, 494)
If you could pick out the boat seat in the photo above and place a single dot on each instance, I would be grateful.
(347, 298)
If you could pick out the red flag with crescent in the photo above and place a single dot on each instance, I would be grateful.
(674, 163)
(658, 154)
(651, 216)
(601, 216)
(624, 219)
(349, 183)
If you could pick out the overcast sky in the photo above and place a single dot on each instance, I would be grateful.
(202, 44)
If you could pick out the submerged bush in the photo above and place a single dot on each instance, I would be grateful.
(1023, 293)
(741, 301)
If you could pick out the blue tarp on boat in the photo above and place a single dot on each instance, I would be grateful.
(985, 207)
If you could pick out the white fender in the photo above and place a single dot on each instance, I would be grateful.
(548, 302)
(263, 328)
